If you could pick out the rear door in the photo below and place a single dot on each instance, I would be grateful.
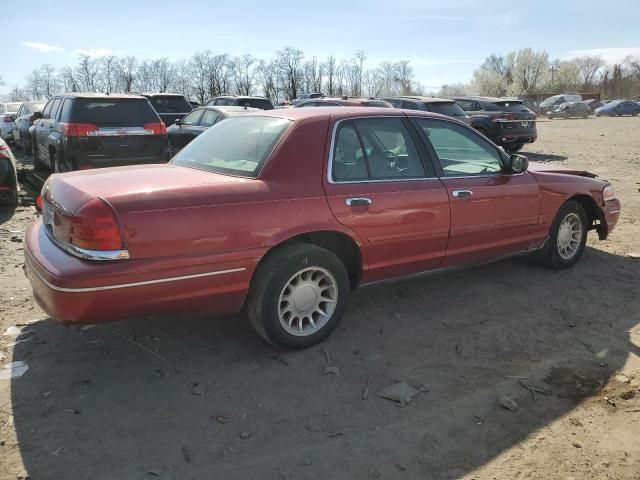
(381, 186)
(42, 132)
(492, 213)
(116, 131)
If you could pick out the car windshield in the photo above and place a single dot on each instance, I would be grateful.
(261, 103)
(170, 104)
(550, 101)
(237, 146)
(116, 112)
(614, 103)
(445, 108)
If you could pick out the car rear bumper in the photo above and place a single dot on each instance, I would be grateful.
(78, 291)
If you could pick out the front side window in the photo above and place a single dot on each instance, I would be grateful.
(460, 151)
(237, 146)
(375, 149)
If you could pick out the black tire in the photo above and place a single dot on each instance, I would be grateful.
(514, 147)
(635, 113)
(269, 281)
(551, 255)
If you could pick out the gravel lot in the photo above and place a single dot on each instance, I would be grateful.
(195, 397)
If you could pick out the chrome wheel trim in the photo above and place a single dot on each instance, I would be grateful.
(569, 236)
(307, 301)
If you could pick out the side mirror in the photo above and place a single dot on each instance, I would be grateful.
(178, 121)
(37, 115)
(518, 163)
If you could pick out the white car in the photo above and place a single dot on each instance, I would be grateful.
(7, 114)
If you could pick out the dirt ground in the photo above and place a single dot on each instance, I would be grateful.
(196, 397)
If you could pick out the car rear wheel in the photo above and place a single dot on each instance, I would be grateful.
(567, 236)
(298, 295)
(635, 113)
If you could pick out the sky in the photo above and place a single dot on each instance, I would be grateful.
(444, 40)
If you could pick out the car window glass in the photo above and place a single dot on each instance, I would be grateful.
(209, 118)
(47, 109)
(410, 105)
(460, 151)
(396, 102)
(348, 157)
(66, 111)
(490, 107)
(376, 149)
(55, 107)
(466, 105)
(192, 118)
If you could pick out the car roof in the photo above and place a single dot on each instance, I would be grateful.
(340, 113)
(347, 102)
(422, 98)
(230, 108)
(100, 95)
(161, 94)
(239, 96)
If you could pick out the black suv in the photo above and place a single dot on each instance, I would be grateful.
(239, 101)
(77, 131)
(170, 106)
(507, 122)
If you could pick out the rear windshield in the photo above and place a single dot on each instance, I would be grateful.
(170, 104)
(237, 146)
(261, 103)
(376, 103)
(512, 106)
(113, 112)
(13, 107)
(33, 107)
(450, 109)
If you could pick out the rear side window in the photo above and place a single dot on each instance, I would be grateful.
(192, 118)
(468, 105)
(47, 109)
(170, 104)
(65, 115)
(209, 118)
(237, 146)
(375, 149)
(116, 112)
(445, 108)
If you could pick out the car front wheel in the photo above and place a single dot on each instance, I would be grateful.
(298, 295)
(567, 236)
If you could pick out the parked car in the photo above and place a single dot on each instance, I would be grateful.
(344, 102)
(568, 110)
(194, 104)
(258, 213)
(617, 108)
(593, 104)
(23, 121)
(185, 130)
(78, 131)
(548, 103)
(170, 106)
(8, 113)
(8, 176)
(240, 101)
(505, 121)
(443, 106)
(306, 96)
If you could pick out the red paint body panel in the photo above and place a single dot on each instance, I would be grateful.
(195, 237)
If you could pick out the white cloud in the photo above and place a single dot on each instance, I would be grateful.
(610, 55)
(95, 52)
(43, 47)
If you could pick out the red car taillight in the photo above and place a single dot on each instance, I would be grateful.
(7, 119)
(94, 227)
(157, 128)
(504, 116)
(78, 129)
(4, 151)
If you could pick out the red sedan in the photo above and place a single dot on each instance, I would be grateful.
(286, 211)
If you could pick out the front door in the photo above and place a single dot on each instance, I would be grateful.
(380, 186)
(493, 213)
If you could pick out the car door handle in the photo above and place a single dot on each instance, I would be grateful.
(461, 193)
(358, 202)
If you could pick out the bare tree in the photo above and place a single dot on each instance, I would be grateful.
(360, 57)
(528, 69)
(87, 72)
(244, 70)
(289, 61)
(108, 71)
(329, 69)
(126, 73)
(589, 67)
